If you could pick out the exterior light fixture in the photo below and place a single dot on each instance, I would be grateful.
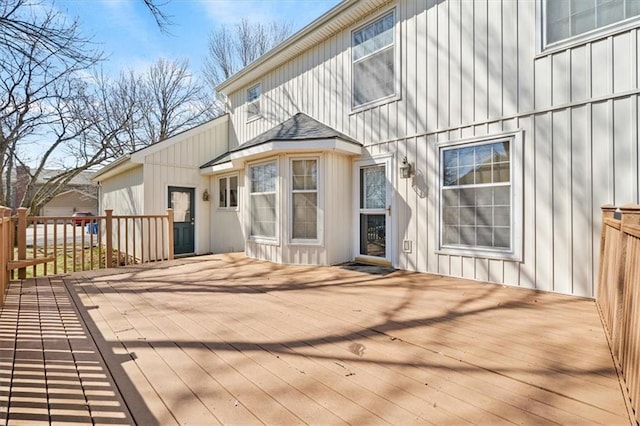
(405, 169)
(205, 195)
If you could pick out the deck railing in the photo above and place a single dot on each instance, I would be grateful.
(618, 292)
(34, 246)
(6, 248)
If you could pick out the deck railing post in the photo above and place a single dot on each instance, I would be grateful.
(630, 216)
(109, 237)
(22, 240)
(608, 212)
(170, 233)
(6, 246)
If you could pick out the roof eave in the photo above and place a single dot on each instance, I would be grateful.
(308, 36)
(120, 165)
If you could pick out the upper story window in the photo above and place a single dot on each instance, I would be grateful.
(253, 101)
(228, 192)
(374, 57)
(569, 18)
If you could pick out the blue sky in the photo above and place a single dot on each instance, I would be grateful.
(126, 31)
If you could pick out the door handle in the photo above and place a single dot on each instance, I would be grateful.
(389, 209)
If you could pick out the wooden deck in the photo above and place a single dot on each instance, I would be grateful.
(225, 339)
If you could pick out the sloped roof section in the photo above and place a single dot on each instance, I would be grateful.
(300, 128)
(341, 16)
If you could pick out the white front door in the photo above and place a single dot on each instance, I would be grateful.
(373, 221)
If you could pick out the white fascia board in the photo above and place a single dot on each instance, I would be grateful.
(239, 158)
(268, 148)
(139, 156)
(118, 166)
(218, 168)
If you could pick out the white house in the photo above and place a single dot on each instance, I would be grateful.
(476, 139)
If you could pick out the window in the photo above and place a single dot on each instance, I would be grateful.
(253, 101)
(478, 183)
(304, 199)
(373, 71)
(263, 199)
(228, 187)
(568, 18)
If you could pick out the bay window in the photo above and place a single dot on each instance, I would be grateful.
(304, 199)
(262, 197)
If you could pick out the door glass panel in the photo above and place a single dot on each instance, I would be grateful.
(373, 235)
(180, 203)
(373, 187)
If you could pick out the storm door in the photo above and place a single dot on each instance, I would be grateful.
(374, 211)
(181, 200)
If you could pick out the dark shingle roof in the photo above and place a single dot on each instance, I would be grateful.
(300, 127)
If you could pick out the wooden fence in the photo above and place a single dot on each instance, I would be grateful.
(618, 292)
(34, 246)
(6, 248)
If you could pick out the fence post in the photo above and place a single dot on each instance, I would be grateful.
(170, 233)
(22, 240)
(5, 247)
(630, 216)
(109, 237)
(608, 212)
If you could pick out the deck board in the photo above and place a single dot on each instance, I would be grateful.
(223, 339)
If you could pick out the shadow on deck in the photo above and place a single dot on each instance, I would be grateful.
(226, 339)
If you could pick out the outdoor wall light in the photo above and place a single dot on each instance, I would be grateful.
(405, 169)
(205, 195)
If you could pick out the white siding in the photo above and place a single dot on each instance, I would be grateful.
(124, 193)
(472, 69)
(227, 232)
(179, 165)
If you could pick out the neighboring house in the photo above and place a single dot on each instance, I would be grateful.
(79, 195)
(517, 120)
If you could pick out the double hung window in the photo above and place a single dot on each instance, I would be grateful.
(569, 18)
(228, 192)
(253, 101)
(374, 59)
(263, 187)
(304, 199)
(477, 192)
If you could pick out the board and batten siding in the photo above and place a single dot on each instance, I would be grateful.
(178, 164)
(475, 68)
(227, 233)
(123, 193)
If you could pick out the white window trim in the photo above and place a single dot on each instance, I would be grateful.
(217, 193)
(517, 199)
(320, 201)
(388, 161)
(578, 39)
(256, 101)
(260, 239)
(397, 65)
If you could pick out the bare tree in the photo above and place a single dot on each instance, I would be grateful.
(41, 56)
(47, 99)
(162, 19)
(174, 101)
(231, 49)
